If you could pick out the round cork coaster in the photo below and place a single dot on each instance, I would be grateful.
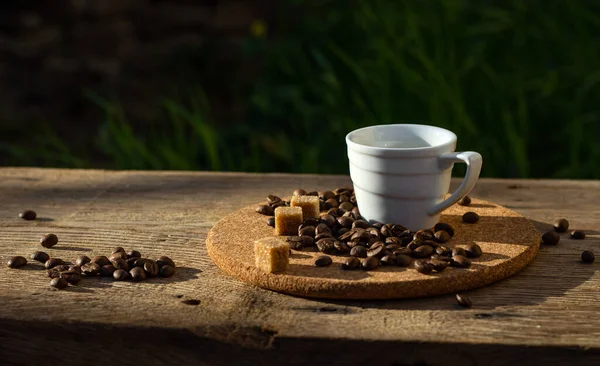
(508, 240)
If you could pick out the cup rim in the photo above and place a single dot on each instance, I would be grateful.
(376, 150)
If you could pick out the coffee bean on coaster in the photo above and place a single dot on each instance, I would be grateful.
(299, 192)
(550, 238)
(561, 226)
(423, 266)
(323, 261)
(441, 226)
(577, 234)
(465, 201)
(369, 263)
(473, 250)
(351, 263)
(470, 217)
(460, 261)
(265, 210)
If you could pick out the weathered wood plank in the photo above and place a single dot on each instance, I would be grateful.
(551, 305)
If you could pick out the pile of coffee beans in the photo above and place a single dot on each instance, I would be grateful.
(120, 265)
(341, 230)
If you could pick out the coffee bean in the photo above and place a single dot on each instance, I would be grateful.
(307, 241)
(107, 270)
(459, 251)
(423, 235)
(473, 250)
(465, 201)
(299, 192)
(271, 221)
(137, 274)
(442, 226)
(341, 247)
(588, 257)
(71, 277)
(386, 230)
(392, 240)
(369, 263)
(443, 250)
(550, 238)
(120, 275)
(345, 221)
(361, 235)
(392, 247)
(101, 260)
(90, 269)
(344, 198)
(439, 265)
(404, 251)
(271, 199)
(424, 267)
(460, 261)
(463, 301)
(61, 267)
(323, 261)
(118, 250)
(17, 262)
(131, 261)
(403, 260)
(120, 263)
(326, 195)
(347, 206)
(75, 268)
(388, 260)
(561, 226)
(322, 228)
(414, 244)
(332, 211)
(59, 283)
(423, 251)
(49, 240)
(139, 263)
(323, 236)
(166, 271)
(441, 236)
(81, 260)
(360, 224)
(164, 260)
(265, 210)
(326, 245)
(28, 215)
(376, 249)
(331, 203)
(351, 263)
(53, 262)
(118, 255)
(151, 268)
(470, 217)
(307, 230)
(359, 251)
(40, 256)
(577, 234)
(53, 273)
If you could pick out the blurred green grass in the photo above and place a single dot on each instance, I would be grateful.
(517, 81)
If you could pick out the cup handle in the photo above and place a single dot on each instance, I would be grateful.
(473, 161)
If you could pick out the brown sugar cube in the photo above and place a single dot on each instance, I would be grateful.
(287, 220)
(309, 204)
(271, 254)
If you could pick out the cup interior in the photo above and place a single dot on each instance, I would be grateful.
(402, 136)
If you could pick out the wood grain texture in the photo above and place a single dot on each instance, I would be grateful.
(549, 310)
(509, 242)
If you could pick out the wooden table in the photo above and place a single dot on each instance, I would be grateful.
(549, 312)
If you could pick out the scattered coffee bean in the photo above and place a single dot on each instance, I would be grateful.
(120, 275)
(444, 227)
(460, 261)
(463, 301)
(465, 201)
(271, 199)
(164, 260)
(81, 260)
(561, 226)
(423, 251)
(59, 283)
(369, 263)
(53, 262)
(424, 267)
(550, 238)
(470, 217)
(441, 236)
(588, 257)
(376, 249)
(48, 241)
(577, 234)
(17, 262)
(265, 210)
(107, 270)
(271, 221)
(101, 260)
(40, 256)
(459, 251)
(323, 261)
(351, 263)
(28, 215)
(71, 277)
(358, 251)
(191, 302)
(299, 192)
(90, 269)
(166, 271)
(133, 254)
(473, 250)
(439, 265)
(403, 260)
(137, 274)
(151, 268)
(388, 260)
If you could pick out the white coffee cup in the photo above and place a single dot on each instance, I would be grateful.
(401, 173)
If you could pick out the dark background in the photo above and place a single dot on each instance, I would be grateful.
(275, 85)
